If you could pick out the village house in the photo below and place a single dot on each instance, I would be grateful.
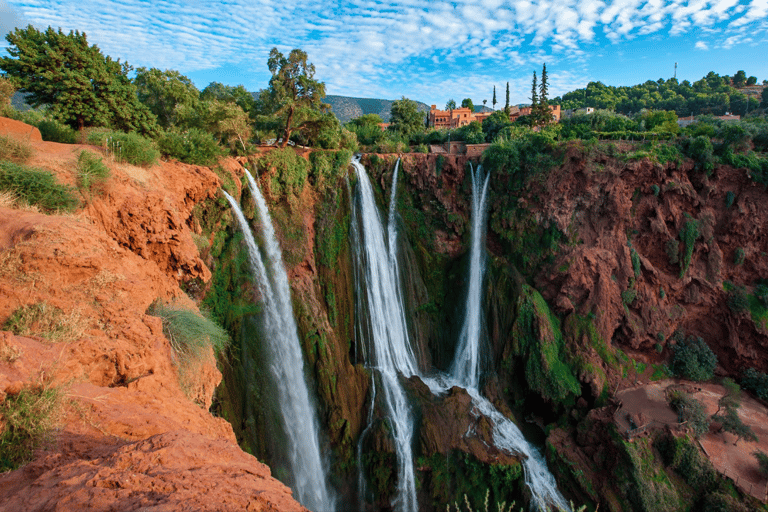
(462, 116)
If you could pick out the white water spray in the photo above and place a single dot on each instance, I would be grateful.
(390, 352)
(287, 363)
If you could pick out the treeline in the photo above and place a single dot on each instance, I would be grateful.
(713, 94)
(75, 89)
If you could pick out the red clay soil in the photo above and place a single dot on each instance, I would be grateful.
(129, 438)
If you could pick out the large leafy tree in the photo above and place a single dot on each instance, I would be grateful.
(230, 94)
(79, 85)
(295, 97)
(405, 117)
(467, 103)
(164, 92)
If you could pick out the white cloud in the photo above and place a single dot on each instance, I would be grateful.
(9, 19)
(701, 45)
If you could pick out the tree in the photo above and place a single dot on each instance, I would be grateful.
(493, 102)
(367, 128)
(227, 122)
(451, 105)
(764, 98)
(80, 86)
(731, 398)
(484, 103)
(405, 117)
(467, 103)
(506, 105)
(230, 94)
(494, 123)
(739, 79)
(691, 411)
(295, 96)
(693, 360)
(733, 424)
(163, 92)
(534, 102)
(752, 80)
(762, 462)
(544, 115)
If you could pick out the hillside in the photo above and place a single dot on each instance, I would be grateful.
(347, 108)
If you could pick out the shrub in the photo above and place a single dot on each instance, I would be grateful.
(673, 251)
(655, 189)
(91, 171)
(28, 419)
(693, 360)
(193, 147)
(54, 131)
(47, 321)
(761, 292)
(756, 382)
(762, 462)
(126, 147)
(690, 410)
(738, 300)
(730, 197)
(192, 336)
(635, 257)
(739, 256)
(36, 187)
(688, 235)
(12, 149)
(288, 171)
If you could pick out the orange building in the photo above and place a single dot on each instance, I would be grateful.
(462, 116)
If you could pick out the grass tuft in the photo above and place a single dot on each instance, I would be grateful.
(46, 321)
(28, 421)
(36, 187)
(16, 150)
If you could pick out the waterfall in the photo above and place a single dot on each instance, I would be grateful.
(380, 302)
(466, 362)
(390, 351)
(465, 370)
(287, 364)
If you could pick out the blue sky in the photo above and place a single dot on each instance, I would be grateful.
(427, 51)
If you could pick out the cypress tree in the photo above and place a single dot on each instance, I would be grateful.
(534, 102)
(543, 107)
(494, 97)
(506, 106)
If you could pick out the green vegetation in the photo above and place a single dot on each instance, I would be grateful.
(756, 382)
(682, 455)
(762, 462)
(78, 85)
(16, 150)
(642, 481)
(126, 147)
(287, 172)
(406, 120)
(55, 131)
(27, 420)
(688, 235)
(739, 256)
(36, 187)
(45, 320)
(537, 338)
(731, 422)
(91, 172)
(194, 146)
(691, 411)
(692, 359)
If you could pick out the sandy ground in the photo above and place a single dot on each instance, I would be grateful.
(648, 402)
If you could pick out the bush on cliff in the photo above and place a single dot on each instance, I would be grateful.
(194, 146)
(36, 187)
(693, 359)
(287, 171)
(28, 419)
(126, 147)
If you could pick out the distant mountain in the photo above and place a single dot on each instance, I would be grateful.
(346, 108)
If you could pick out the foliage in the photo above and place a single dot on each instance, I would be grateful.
(537, 337)
(16, 150)
(688, 235)
(471, 133)
(739, 256)
(190, 333)
(682, 455)
(367, 128)
(732, 396)
(230, 94)
(493, 124)
(700, 149)
(227, 122)
(36, 187)
(91, 171)
(7, 91)
(730, 197)
(709, 95)
(467, 103)
(27, 419)
(405, 118)
(287, 171)
(126, 147)
(762, 462)
(294, 96)
(44, 320)
(756, 382)
(737, 299)
(642, 480)
(80, 86)
(194, 146)
(691, 411)
(163, 92)
(54, 131)
(731, 422)
(692, 359)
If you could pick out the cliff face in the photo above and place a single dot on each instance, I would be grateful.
(129, 436)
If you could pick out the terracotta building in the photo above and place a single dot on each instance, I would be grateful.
(462, 116)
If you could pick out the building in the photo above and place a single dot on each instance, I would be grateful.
(462, 116)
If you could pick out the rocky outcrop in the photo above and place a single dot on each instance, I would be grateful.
(130, 436)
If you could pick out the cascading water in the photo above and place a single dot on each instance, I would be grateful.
(390, 351)
(287, 364)
(393, 354)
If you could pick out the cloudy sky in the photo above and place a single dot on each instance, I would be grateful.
(429, 51)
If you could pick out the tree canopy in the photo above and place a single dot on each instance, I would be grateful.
(406, 118)
(467, 103)
(294, 96)
(79, 85)
(164, 91)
